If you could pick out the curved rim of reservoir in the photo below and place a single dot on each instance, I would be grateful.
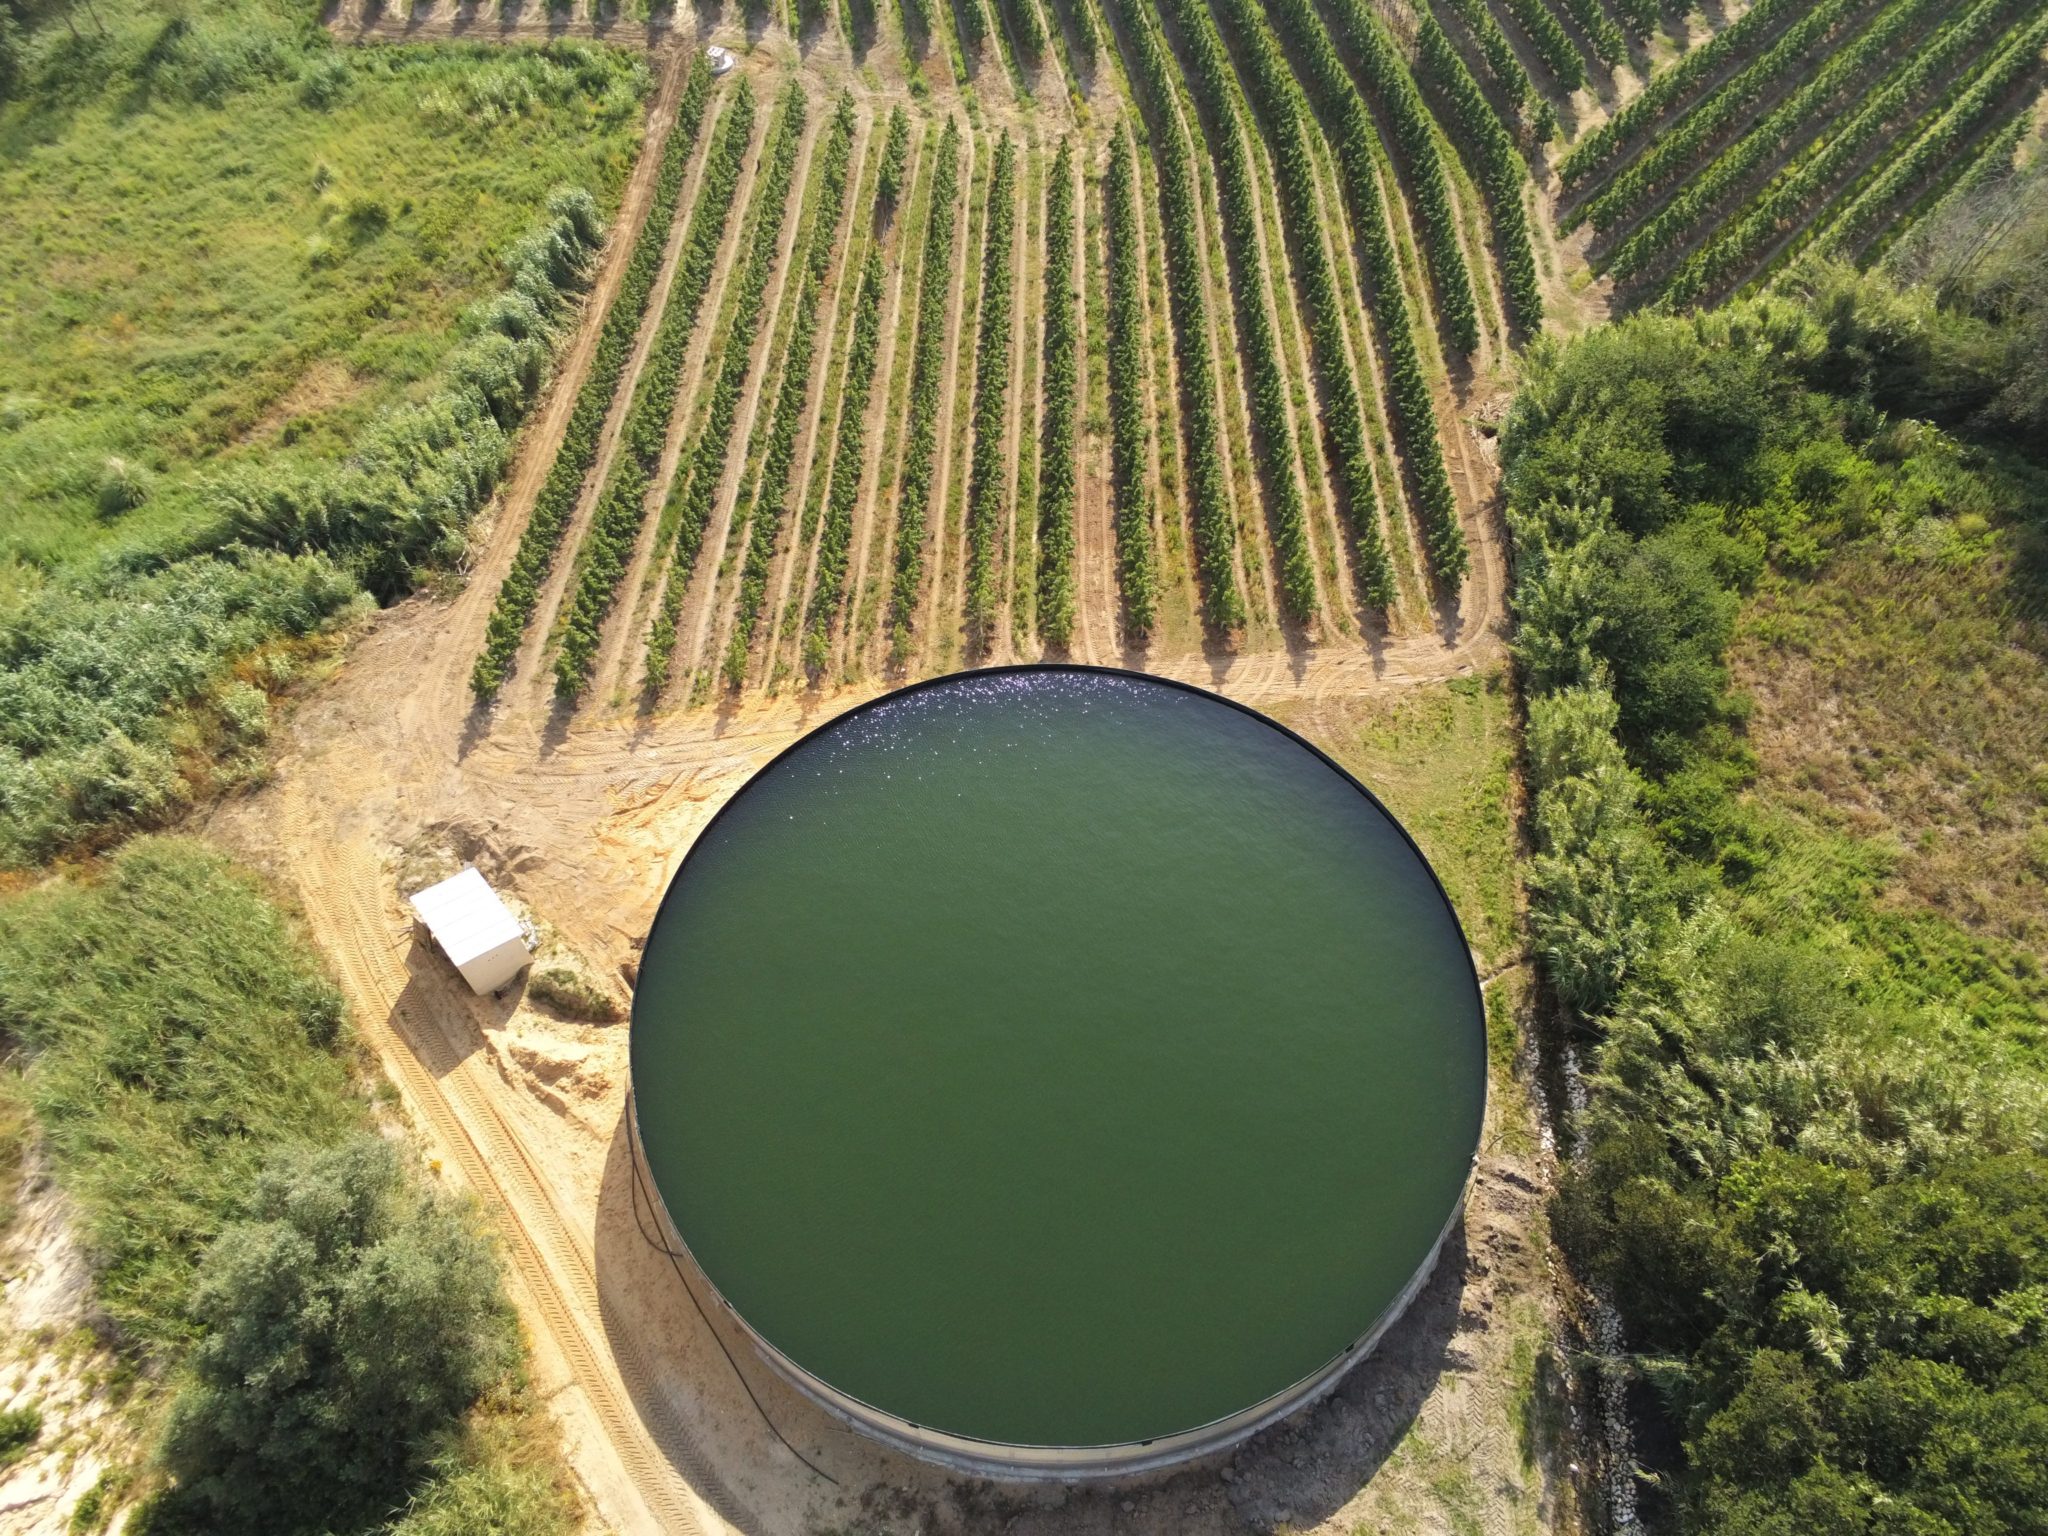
(1024, 1459)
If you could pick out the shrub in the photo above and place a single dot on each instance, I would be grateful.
(123, 487)
(18, 1430)
(347, 1322)
(574, 995)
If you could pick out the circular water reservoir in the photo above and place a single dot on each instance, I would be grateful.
(1058, 1071)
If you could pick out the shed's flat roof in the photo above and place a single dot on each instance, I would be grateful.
(466, 917)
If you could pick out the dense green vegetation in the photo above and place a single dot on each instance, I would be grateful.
(927, 363)
(347, 1320)
(1485, 145)
(1387, 77)
(252, 365)
(1156, 80)
(187, 1065)
(1215, 88)
(1343, 419)
(1137, 564)
(835, 540)
(1813, 1177)
(230, 243)
(1349, 125)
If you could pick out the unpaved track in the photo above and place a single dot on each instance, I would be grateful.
(601, 806)
(350, 909)
(1096, 601)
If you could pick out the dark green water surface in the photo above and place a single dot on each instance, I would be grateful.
(1057, 1057)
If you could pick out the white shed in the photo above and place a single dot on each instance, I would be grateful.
(721, 60)
(474, 929)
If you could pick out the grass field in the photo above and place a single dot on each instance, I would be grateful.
(229, 238)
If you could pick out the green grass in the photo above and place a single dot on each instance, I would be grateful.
(1899, 717)
(176, 1030)
(238, 239)
(1440, 757)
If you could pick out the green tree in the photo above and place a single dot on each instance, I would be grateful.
(348, 1323)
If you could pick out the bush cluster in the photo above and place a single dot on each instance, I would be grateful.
(347, 1321)
(556, 503)
(607, 546)
(1056, 429)
(1157, 82)
(927, 366)
(1821, 1211)
(1137, 564)
(762, 513)
(688, 508)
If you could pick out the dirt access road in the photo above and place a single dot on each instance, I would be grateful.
(389, 774)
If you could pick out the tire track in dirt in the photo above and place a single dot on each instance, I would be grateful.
(1162, 395)
(1360, 317)
(343, 888)
(1334, 593)
(541, 439)
(1233, 397)
(822, 455)
(945, 634)
(1289, 345)
(1027, 271)
(1095, 591)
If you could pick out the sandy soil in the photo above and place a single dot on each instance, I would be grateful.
(53, 1358)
